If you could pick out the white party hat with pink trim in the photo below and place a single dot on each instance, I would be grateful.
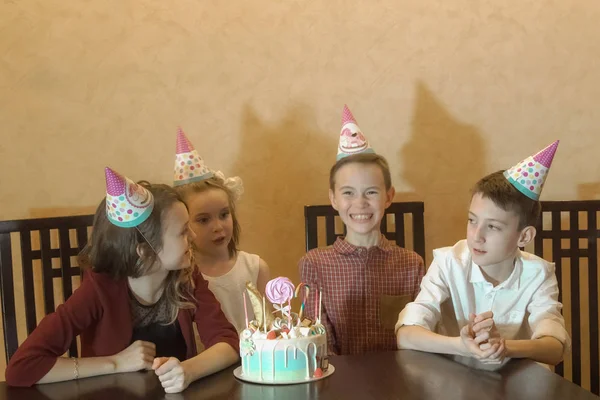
(352, 140)
(529, 176)
(127, 203)
(189, 166)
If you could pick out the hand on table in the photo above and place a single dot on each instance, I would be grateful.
(172, 374)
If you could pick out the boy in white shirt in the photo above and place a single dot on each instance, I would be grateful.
(483, 297)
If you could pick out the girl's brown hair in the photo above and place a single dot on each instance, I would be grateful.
(210, 184)
(113, 250)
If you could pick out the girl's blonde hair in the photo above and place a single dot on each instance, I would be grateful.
(112, 250)
(215, 182)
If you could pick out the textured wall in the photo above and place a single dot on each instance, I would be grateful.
(446, 90)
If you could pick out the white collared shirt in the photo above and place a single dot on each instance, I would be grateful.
(525, 306)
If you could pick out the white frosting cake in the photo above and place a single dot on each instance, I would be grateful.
(285, 349)
(280, 360)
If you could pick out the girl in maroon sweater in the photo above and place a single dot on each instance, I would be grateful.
(137, 303)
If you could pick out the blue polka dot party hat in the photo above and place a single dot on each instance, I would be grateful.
(529, 175)
(189, 166)
(127, 203)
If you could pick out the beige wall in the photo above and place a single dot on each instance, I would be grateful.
(447, 90)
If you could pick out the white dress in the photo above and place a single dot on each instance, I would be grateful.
(228, 288)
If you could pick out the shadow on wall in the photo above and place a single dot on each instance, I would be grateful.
(284, 166)
(62, 211)
(442, 161)
(588, 191)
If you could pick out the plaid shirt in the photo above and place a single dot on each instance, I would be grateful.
(363, 289)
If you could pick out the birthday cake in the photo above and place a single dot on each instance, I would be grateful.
(285, 347)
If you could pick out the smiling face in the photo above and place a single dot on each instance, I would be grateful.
(360, 197)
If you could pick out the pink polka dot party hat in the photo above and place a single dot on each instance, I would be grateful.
(189, 166)
(127, 203)
(529, 175)
(352, 140)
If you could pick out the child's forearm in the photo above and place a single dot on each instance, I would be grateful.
(547, 350)
(66, 369)
(211, 360)
(412, 337)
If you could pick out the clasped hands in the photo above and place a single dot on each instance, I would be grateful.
(481, 340)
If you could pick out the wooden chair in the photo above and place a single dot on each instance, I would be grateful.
(40, 231)
(582, 244)
(398, 210)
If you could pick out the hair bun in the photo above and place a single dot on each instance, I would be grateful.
(234, 184)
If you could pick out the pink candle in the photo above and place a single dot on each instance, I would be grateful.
(264, 315)
(320, 302)
(245, 308)
(316, 306)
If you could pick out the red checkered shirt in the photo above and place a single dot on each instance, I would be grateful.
(353, 281)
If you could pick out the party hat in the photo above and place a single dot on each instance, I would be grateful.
(189, 166)
(529, 175)
(127, 203)
(352, 140)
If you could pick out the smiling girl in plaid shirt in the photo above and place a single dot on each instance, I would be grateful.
(365, 279)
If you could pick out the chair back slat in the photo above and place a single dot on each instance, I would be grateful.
(557, 258)
(593, 313)
(47, 281)
(399, 234)
(67, 274)
(311, 230)
(28, 288)
(573, 255)
(65, 263)
(9, 316)
(582, 245)
(41, 229)
(398, 210)
(82, 237)
(419, 229)
(330, 228)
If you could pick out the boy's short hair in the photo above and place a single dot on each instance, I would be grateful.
(362, 158)
(499, 190)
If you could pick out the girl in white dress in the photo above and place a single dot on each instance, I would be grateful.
(210, 198)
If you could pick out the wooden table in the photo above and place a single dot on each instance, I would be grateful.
(406, 375)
